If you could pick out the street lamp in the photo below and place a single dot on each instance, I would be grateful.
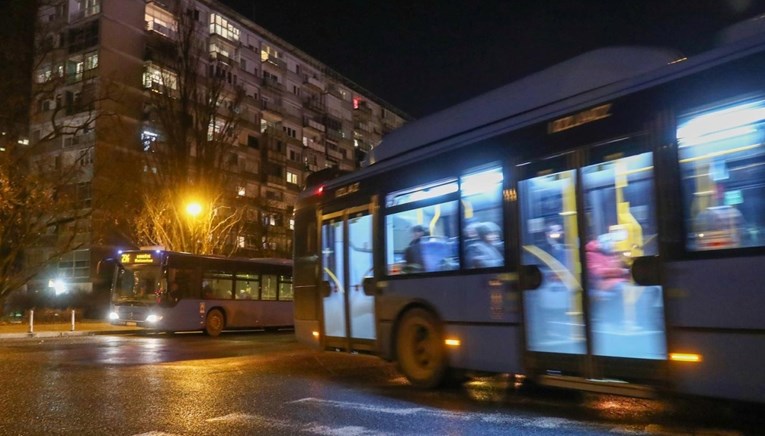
(193, 209)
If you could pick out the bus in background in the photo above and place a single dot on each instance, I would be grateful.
(170, 291)
(599, 225)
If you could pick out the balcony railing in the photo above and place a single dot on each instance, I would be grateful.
(161, 29)
(313, 124)
(275, 61)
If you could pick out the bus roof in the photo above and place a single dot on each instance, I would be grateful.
(585, 72)
(580, 82)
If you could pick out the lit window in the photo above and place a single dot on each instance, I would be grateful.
(482, 236)
(158, 79)
(159, 20)
(292, 178)
(221, 26)
(721, 154)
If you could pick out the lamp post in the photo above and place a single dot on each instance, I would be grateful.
(193, 210)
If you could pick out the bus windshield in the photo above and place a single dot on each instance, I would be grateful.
(138, 283)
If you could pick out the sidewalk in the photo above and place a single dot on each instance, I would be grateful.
(51, 330)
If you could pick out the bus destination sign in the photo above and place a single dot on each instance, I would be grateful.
(133, 258)
(580, 118)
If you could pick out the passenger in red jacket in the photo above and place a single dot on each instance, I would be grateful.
(607, 276)
(606, 270)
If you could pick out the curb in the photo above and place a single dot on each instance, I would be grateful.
(63, 334)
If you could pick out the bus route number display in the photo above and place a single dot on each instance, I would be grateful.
(133, 258)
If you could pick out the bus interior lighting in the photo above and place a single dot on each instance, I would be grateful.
(315, 334)
(723, 124)
(452, 342)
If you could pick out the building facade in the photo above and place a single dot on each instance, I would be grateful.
(100, 63)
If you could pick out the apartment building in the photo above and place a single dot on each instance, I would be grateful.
(299, 116)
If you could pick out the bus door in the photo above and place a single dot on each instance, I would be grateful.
(348, 313)
(583, 222)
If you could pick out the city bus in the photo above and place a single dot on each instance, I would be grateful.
(170, 292)
(599, 225)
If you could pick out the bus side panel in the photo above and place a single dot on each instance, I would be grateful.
(184, 316)
(731, 366)
(714, 308)
(248, 314)
(493, 348)
(480, 310)
(716, 293)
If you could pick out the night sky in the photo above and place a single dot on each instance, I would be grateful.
(423, 56)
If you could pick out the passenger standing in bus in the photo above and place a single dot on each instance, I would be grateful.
(607, 278)
(413, 253)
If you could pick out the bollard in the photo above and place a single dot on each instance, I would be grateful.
(31, 320)
(72, 319)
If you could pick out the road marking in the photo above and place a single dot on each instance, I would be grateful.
(156, 433)
(294, 427)
(491, 418)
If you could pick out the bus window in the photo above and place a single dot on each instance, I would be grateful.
(422, 239)
(217, 285)
(179, 284)
(269, 287)
(481, 198)
(247, 286)
(721, 161)
(285, 288)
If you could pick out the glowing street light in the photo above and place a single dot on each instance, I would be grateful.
(193, 209)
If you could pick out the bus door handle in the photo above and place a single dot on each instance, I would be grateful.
(369, 286)
(529, 277)
(646, 270)
(325, 289)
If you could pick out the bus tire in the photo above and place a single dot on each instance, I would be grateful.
(420, 349)
(214, 323)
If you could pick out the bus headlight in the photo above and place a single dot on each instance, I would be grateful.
(153, 318)
(113, 316)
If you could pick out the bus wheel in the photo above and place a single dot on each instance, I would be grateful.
(214, 323)
(420, 349)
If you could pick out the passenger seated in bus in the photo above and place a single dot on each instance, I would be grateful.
(719, 227)
(437, 254)
(607, 276)
(487, 250)
(413, 254)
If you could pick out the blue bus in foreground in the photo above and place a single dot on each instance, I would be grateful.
(170, 291)
(599, 225)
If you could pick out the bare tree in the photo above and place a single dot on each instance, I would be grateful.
(193, 110)
(44, 175)
(28, 199)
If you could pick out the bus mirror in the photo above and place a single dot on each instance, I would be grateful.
(645, 270)
(530, 277)
(324, 288)
(370, 288)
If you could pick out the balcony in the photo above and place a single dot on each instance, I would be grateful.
(292, 112)
(316, 83)
(217, 56)
(314, 104)
(335, 154)
(313, 124)
(84, 13)
(276, 180)
(161, 29)
(270, 82)
(274, 61)
(273, 107)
